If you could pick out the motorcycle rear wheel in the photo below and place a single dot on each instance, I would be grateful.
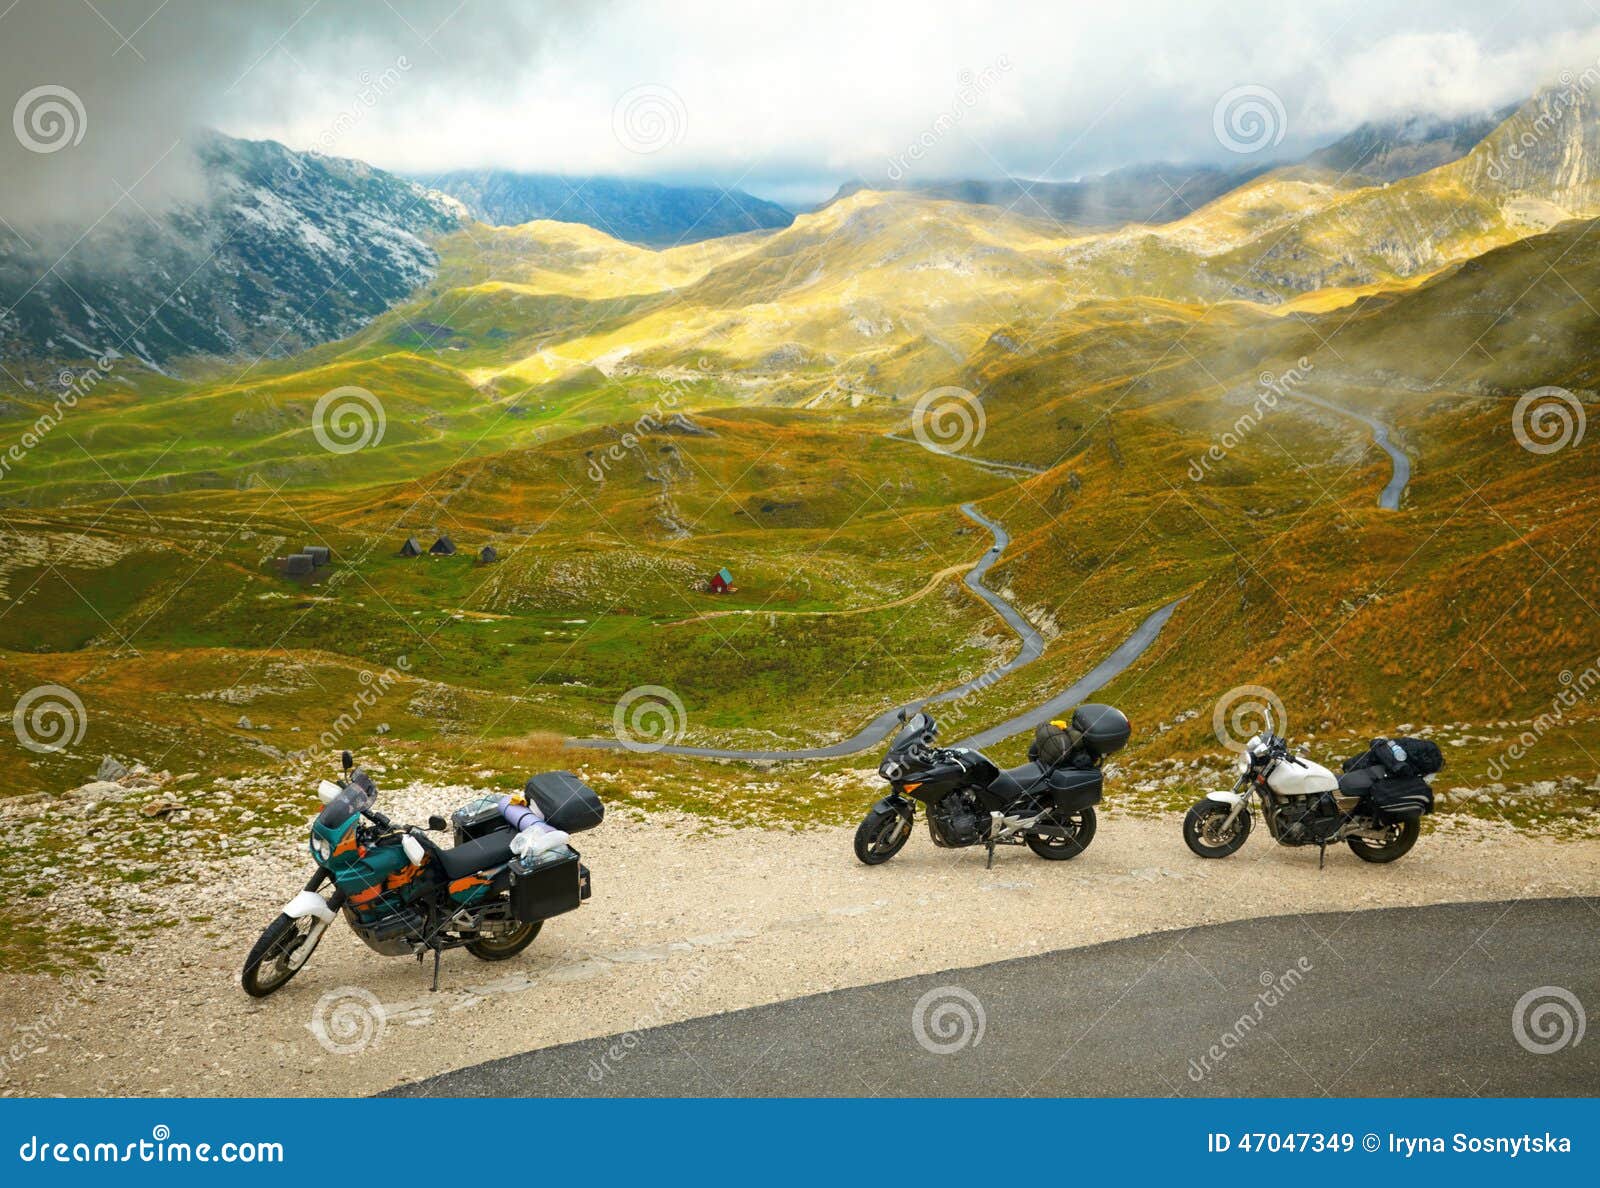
(1398, 846)
(1080, 825)
(880, 836)
(502, 948)
(1198, 829)
(267, 967)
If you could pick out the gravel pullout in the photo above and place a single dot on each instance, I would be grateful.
(684, 923)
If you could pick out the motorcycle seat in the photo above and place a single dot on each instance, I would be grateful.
(1358, 782)
(477, 854)
(1014, 781)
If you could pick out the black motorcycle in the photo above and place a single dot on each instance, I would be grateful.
(1047, 803)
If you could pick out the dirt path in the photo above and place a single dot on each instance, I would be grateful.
(683, 924)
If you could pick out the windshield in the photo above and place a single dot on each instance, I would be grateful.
(916, 726)
(359, 794)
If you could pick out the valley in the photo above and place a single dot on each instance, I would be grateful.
(1171, 422)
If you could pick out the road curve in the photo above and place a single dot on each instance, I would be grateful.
(1400, 463)
(1396, 1002)
(880, 727)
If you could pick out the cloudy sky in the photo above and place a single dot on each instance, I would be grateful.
(784, 100)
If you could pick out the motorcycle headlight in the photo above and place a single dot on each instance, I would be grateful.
(890, 770)
(1244, 763)
(321, 848)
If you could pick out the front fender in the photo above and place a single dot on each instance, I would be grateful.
(895, 803)
(1231, 799)
(309, 903)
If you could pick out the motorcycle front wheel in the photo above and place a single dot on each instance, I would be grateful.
(499, 948)
(1080, 827)
(881, 835)
(1204, 833)
(267, 967)
(1402, 837)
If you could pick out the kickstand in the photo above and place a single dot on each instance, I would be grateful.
(437, 953)
(1322, 855)
(989, 865)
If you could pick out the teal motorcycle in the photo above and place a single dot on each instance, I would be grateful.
(405, 895)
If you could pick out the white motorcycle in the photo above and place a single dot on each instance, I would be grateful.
(1379, 816)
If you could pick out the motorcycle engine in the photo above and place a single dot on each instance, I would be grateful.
(955, 820)
(1308, 820)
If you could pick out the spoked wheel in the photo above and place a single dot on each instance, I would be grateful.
(881, 835)
(268, 968)
(1402, 835)
(1080, 826)
(1207, 832)
(499, 948)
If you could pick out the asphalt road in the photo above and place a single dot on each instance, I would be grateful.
(879, 729)
(1392, 1002)
(1399, 462)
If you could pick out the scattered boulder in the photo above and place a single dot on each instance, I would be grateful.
(244, 722)
(160, 808)
(383, 728)
(110, 769)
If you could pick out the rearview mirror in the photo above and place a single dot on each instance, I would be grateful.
(347, 760)
(437, 823)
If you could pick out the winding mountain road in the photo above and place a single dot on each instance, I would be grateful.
(1400, 463)
(1033, 646)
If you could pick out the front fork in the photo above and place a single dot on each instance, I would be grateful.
(1237, 801)
(311, 903)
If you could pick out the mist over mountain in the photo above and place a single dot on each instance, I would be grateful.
(1136, 194)
(1393, 149)
(641, 212)
(285, 250)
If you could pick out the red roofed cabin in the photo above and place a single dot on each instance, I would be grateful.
(722, 582)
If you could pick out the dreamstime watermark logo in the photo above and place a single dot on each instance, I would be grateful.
(649, 118)
(1547, 1019)
(1547, 420)
(49, 718)
(370, 89)
(74, 386)
(652, 420)
(1274, 989)
(348, 1020)
(1242, 712)
(1553, 108)
(1248, 119)
(947, 1019)
(648, 717)
(27, 1038)
(948, 420)
(49, 118)
(665, 1004)
(970, 89)
(1575, 689)
(348, 419)
(1271, 388)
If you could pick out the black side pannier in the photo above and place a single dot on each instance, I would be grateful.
(567, 802)
(1403, 798)
(557, 883)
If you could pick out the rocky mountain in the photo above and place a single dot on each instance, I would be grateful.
(1137, 194)
(1390, 150)
(633, 211)
(285, 250)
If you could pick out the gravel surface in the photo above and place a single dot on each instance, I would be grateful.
(685, 922)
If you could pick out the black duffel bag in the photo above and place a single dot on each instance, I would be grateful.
(567, 803)
(1407, 757)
